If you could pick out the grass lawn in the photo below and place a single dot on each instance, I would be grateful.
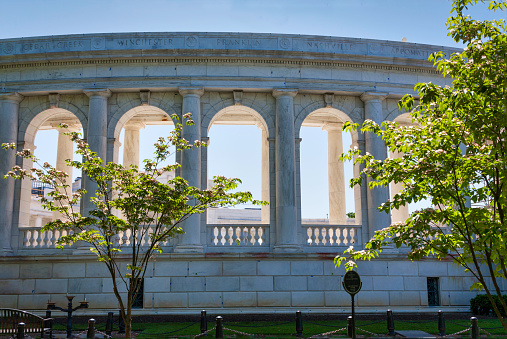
(287, 329)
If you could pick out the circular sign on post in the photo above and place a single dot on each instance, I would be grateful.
(352, 282)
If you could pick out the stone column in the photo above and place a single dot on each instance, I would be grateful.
(96, 138)
(375, 146)
(65, 151)
(336, 174)
(9, 111)
(265, 176)
(131, 144)
(285, 163)
(400, 214)
(190, 241)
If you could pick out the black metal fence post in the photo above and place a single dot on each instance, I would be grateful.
(90, 334)
(390, 322)
(299, 324)
(441, 323)
(219, 332)
(109, 323)
(21, 330)
(204, 321)
(47, 324)
(121, 323)
(474, 328)
(350, 327)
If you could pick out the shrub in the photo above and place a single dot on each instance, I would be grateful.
(480, 304)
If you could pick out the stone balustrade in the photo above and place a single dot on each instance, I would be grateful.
(238, 236)
(33, 238)
(332, 235)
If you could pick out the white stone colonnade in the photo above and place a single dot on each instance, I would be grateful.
(286, 226)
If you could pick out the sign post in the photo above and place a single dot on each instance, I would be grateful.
(352, 285)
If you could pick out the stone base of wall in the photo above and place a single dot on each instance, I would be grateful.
(266, 283)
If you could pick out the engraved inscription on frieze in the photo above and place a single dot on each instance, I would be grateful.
(44, 46)
(228, 42)
(328, 46)
(143, 42)
(410, 52)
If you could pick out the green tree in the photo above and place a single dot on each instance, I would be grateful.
(454, 156)
(151, 210)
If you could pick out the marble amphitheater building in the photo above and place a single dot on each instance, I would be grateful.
(275, 261)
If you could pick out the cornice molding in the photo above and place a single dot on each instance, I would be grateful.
(239, 60)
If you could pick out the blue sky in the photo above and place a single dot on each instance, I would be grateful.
(420, 21)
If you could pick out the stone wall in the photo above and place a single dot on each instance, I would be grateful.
(253, 283)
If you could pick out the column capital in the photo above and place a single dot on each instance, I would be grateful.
(184, 91)
(280, 92)
(70, 128)
(95, 92)
(114, 141)
(12, 96)
(332, 126)
(134, 125)
(369, 96)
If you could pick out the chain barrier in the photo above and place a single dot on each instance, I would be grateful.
(239, 332)
(373, 323)
(105, 335)
(452, 322)
(328, 333)
(483, 330)
(368, 332)
(204, 333)
(460, 332)
(323, 325)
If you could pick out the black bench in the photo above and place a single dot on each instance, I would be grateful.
(10, 318)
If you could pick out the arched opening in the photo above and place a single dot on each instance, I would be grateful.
(403, 212)
(238, 147)
(50, 145)
(326, 196)
(137, 131)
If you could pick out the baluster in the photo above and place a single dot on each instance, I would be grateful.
(330, 231)
(32, 240)
(221, 240)
(261, 239)
(327, 238)
(124, 238)
(342, 236)
(315, 233)
(228, 235)
(26, 239)
(214, 236)
(335, 236)
(235, 236)
(255, 235)
(53, 238)
(46, 239)
(246, 236)
(309, 236)
(321, 230)
(349, 238)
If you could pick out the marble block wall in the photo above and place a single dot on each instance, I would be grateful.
(179, 284)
